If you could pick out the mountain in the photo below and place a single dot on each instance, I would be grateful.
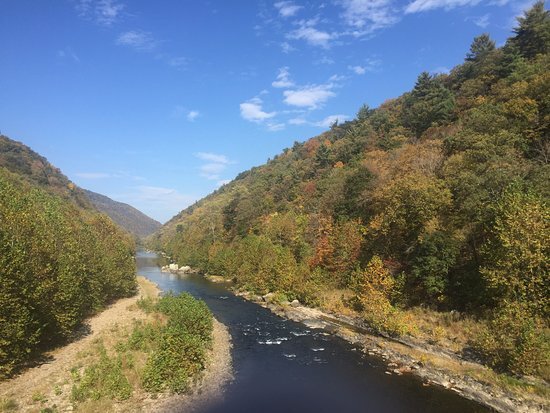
(34, 168)
(60, 259)
(438, 199)
(128, 217)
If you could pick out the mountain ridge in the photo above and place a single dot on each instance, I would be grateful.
(131, 219)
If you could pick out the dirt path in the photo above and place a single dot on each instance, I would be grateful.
(49, 385)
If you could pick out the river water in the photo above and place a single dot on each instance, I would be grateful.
(282, 366)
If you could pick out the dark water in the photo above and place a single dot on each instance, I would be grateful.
(282, 366)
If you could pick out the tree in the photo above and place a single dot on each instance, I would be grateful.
(533, 32)
(364, 112)
(480, 47)
(429, 103)
(516, 255)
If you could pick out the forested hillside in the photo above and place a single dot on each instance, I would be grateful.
(23, 161)
(128, 217)
(60, 259)
(437, 198)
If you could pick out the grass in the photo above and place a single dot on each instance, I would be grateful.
(164, 353)
(8, 405)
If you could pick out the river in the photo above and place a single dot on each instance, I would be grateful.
(282, 366)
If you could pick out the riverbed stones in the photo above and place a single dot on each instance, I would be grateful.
(295, 303)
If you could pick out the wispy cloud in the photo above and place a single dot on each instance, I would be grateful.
(103, 12)
(179, 62)
(68, 53)
(252, 111)
(212, 157)
(214, 166)
(287, 8)
(366, 16)
(370, 65)
(311, 96)
(138, 40)
(480, 21)
(283, 79)
(308, 32)
(286, 47)
(93, 175)
(275, 127)
(418, 6)
(192, 115)
(358, 70)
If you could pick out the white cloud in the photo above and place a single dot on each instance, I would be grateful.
(367, 16)
(214, 166)
(286, 47)
(283, 79)
(371, 65)
(274, 127)
(418, 6)
(329, 120)
(192, 115)
(311, 96)
(358, 70)
(297, 121)
(311, 35)
(104, 12)
(212, 157)
(481, 21)
(93, 175)
(177, 61)
(136, 39)
(253, 112)
(68, 53)
(287, 8)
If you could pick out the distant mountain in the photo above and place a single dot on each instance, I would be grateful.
(128, 217)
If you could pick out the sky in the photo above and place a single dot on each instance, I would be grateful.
(158, 103)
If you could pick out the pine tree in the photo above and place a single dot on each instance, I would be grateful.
(480, 47)
(533, 32)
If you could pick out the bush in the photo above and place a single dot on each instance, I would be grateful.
(179, 347)
(515, 341)
(103, 379)
(374, 287)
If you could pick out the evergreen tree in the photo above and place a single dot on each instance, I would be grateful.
(480, 47)
(429, 103)
(533, 32)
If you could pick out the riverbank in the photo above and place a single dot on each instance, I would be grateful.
(49, 386)
(435, 365)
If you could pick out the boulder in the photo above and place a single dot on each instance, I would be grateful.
(173, 267)
(295, 303)
(268, 297)
(185, 268)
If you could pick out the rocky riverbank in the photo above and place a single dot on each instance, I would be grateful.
(434, 365)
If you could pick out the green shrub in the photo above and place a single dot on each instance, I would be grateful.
(102, 380)
(179, 347)
(516, 341)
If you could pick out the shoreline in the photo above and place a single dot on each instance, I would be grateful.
(432, 364)
(49, 384)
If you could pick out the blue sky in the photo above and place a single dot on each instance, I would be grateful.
(158, 103)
